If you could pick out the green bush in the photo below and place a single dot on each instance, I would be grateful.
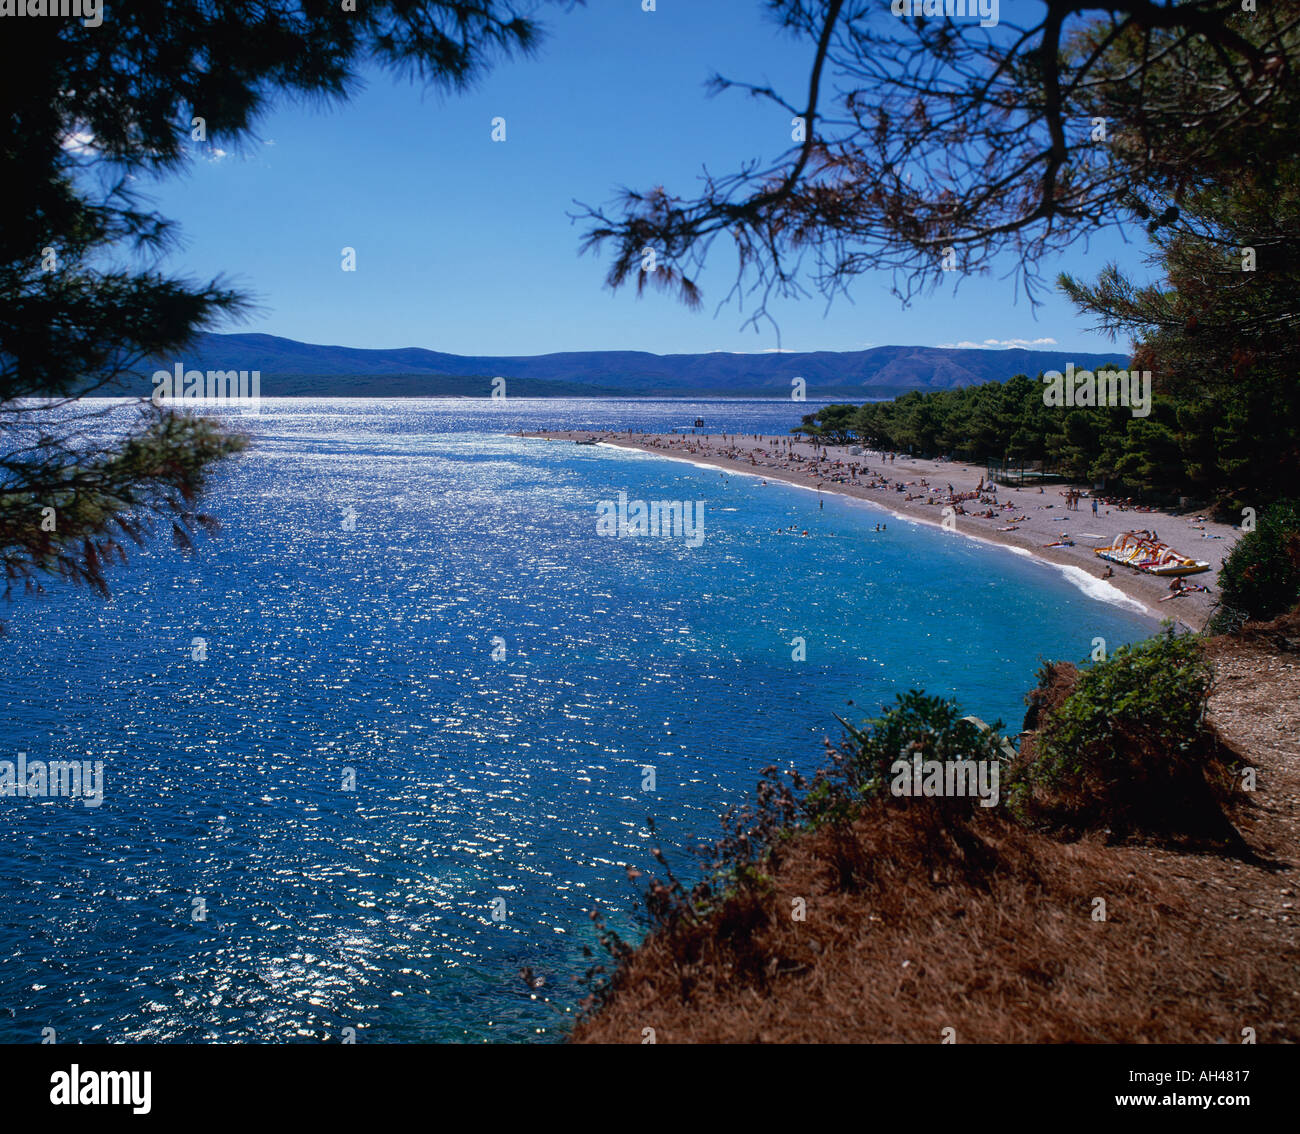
(1129, 749)
(931, 727)
(1260, 579)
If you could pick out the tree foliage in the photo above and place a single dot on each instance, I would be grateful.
(933, 138)
(1261, 576)
(89, 110)
(1129, 749)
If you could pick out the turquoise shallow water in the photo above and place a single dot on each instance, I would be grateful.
(478, 778)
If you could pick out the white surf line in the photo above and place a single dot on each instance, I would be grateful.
(1097, 589)
(1104, 591)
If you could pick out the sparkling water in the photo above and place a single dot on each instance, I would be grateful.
(382, 742)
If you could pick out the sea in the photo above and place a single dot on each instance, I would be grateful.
(394, 732)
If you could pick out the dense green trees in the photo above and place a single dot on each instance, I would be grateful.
(1219, 333)
(831, 424)
(1183, 448)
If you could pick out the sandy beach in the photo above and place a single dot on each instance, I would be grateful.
(1036, 520)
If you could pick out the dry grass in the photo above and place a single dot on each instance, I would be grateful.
(909, 931)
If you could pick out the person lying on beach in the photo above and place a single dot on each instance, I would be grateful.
(1181, 587)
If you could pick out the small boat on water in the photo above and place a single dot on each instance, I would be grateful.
(1142, 550)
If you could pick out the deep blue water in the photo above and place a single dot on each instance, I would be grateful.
(476, 779)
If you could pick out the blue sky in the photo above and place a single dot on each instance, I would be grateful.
(466, 245)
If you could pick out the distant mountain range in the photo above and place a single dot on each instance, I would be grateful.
(290, 368)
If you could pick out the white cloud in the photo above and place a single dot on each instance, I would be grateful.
(998, 344)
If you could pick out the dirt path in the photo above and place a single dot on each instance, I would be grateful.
(1255, 702)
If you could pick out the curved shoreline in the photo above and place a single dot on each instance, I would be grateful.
(1141, 590)
(1122, 599)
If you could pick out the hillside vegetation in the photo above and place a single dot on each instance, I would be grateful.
(842, 913)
